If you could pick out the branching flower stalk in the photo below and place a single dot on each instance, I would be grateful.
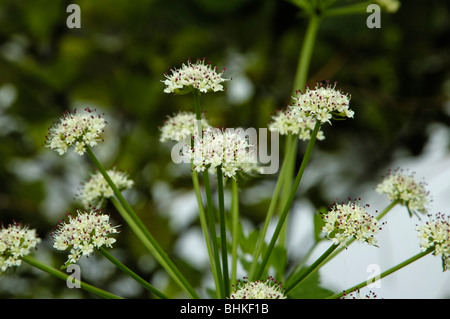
(82, 131)
(131, 273)
(383, 275)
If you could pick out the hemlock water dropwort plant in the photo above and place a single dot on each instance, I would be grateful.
(219, 157)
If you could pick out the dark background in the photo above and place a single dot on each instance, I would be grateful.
(398, 77)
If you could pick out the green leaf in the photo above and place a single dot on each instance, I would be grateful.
(248, 244)
(318, 224)
(278, 259)
(310, 288)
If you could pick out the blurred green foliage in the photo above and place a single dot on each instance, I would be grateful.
(398, 76)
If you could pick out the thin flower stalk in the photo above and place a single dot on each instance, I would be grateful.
(289, 202)
(223, 232)
(132, 274)
(61, 275)
(209, 219)
(154, 248)
(384, 274)
(269, 215)
(294, 282)
(213, 233)
(234, 229)
(139, 228)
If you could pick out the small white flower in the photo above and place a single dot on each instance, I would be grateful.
(227, 148)
(199, 76)
(402, 187)
(96, 188)
(346, 221)
(435, 233)
(83, 233)
(181, 126)
(322, 103)
(357, 295)
(77, 130)
(268, 289)
(15, 241)
(291, 121)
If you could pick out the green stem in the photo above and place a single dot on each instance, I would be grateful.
(212, 231)
(358, 8)
(198, 112)
(234, 228)
(223, 232)
(139, 228)
(299, 266)
(303, 275)
(271, 210)
(387, 209)
(290, 200)
(384, 274)
(154, 248)
(306, 53)
(132, 274)
(196, 184)
(290, 156)
(204, 225)
(63, 276)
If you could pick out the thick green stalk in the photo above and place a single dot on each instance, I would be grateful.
(223, 232)
(290, 156)
(63, 276)
(212, 232)
(291, 284)
(384, 274)
(299, 85)
(290, 200)
(204, 225)
(234, 228)
(306, 53)
(132, 274)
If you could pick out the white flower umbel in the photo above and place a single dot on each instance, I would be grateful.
(199, 76)
(290, 121)
(15, 241)
(96, 188)
(323, 103)
(404, 188)
(435, 233)
(346, 221)
(357, 295)
(82, 233)
(268, 289)
(227, 148)
(76, 130)
(181, 126)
